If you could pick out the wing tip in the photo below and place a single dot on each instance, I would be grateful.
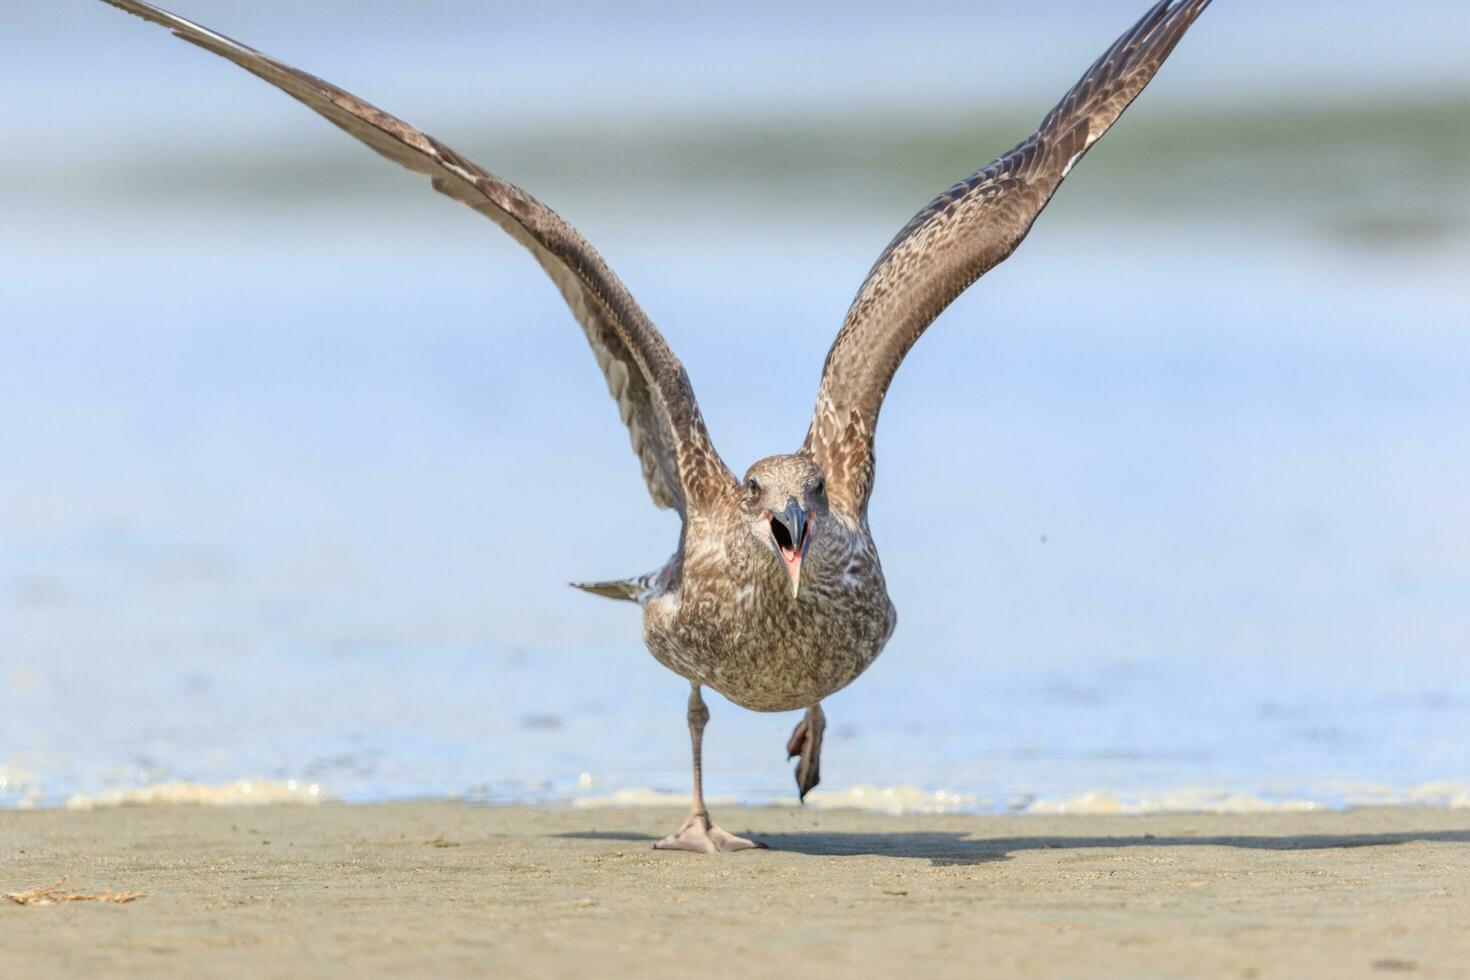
(181, 27)
(146, 11)
(625, 589)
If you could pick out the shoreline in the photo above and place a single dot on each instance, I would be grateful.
(452, 888)
(894, 800)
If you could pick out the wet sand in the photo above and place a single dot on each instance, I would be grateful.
(449, 889)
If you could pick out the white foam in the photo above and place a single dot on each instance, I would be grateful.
(1441, 793)
(1455, 796)
(1188, 800)
(241, 792)
(901, 800)
(21, 785)
(895, 800)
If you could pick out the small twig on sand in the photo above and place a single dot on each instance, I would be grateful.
(53, 895)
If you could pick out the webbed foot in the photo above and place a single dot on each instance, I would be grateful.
(700, 834)
(806, 742)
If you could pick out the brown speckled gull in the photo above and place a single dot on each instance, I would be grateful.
(775, 596)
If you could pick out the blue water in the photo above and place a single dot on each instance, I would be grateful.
(291, 487)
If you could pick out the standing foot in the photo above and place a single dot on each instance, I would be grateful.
(700, 834)
(806, 741)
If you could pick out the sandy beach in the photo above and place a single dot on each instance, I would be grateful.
(451, 889)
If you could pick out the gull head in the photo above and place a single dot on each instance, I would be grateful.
(784, 507)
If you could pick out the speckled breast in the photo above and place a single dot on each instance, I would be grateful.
(768, 651)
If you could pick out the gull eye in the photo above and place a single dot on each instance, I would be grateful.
(753, 487)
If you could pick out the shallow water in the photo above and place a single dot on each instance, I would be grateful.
(1174, 505)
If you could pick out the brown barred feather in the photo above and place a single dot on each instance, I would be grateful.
(654, 396)
(958, 237)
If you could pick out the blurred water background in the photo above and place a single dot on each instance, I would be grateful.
(298, 456)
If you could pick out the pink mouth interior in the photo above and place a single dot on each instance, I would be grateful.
(792, 556)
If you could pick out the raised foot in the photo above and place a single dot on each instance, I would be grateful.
(806, 742)
(700, 834)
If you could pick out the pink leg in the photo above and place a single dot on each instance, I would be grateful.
(698, 832)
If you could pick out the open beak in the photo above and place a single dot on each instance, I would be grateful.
(789, 533)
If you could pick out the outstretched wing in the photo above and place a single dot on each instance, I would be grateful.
(956, 239)
(652, 390)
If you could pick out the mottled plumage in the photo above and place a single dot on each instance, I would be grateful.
(726, 617)
(775, 596)
(957, 238)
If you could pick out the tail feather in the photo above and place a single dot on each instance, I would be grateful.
(632, 589)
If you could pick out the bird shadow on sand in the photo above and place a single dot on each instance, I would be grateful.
(958, 848)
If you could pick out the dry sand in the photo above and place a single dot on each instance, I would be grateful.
(448, 889)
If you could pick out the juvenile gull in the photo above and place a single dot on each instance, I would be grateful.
(775, 596)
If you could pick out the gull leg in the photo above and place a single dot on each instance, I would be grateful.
(698, 832)
(806, 741)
